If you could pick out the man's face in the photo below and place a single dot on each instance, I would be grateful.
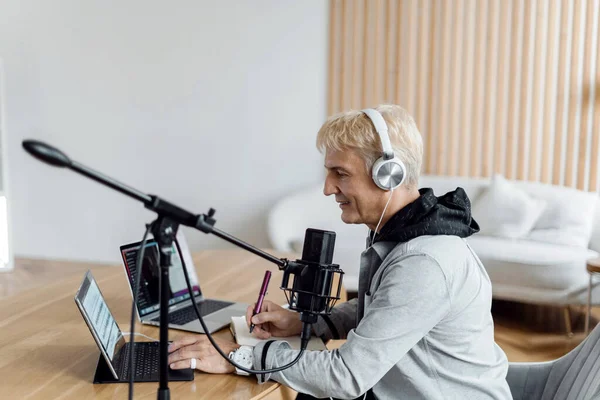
(359, 198)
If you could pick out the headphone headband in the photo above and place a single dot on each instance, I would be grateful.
(382, 129)
(388, 172)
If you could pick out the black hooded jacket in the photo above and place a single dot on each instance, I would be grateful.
(449, 214)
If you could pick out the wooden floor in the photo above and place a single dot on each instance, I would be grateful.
(521, 339)
(521, 342)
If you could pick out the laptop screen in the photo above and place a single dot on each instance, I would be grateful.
(98, 317)
(148, 297)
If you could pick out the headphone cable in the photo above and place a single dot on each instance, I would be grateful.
(382, 214)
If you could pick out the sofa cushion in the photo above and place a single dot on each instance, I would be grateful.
(568, 217)
(505, 210)
(532, 264)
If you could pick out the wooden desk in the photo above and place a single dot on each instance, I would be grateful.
(47, 351)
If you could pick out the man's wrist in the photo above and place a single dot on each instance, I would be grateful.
(230, 367)
(243, 356)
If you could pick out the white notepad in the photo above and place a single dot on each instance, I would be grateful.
(242, 336)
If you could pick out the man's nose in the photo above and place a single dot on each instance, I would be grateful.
(329, 188)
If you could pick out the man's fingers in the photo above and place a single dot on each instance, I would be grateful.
(268, 305)
(266, 317)
(182, 354)
(181, 364)
(184, 341)
(261, 333)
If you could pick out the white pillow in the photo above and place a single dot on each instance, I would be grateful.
(505, 210)
(568, 217)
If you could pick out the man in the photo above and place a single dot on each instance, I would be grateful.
(421, 327)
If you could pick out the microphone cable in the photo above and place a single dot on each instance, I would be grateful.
(136, 286)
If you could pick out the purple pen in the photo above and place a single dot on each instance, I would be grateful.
(261, 296)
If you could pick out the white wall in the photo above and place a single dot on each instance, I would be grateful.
(207, 103)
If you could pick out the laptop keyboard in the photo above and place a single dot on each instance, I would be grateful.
(187, 314)
(146, 361)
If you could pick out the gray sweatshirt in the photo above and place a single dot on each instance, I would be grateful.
(421, 328)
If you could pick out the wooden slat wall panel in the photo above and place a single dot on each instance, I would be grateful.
(495, 86)
(561, 95)
(432, 99)
(491, 88)
(550, 103)
(594, 104)
(455, 84)
(335, 42)
(504, 60)
(585, 139)
(518, 18)
(574, 94)
(443, 92)
(424, 50)
(466, 131)
(539, 87)
(527, 61)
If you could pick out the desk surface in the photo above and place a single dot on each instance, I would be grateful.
(46, 350)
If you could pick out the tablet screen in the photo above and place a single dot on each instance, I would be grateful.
(98, 317)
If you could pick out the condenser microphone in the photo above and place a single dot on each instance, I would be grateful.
(314, 276)
(318, 246)
(317, 253)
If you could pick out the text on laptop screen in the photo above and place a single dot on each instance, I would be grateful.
(148, 297)
(100, 318)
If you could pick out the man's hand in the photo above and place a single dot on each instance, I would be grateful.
(274, 320)
(207, 359)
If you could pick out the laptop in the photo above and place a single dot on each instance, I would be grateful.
(216, 313)
(113, 364)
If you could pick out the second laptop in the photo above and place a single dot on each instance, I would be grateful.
(216, 313)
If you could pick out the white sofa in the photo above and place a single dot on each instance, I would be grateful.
(538, 269)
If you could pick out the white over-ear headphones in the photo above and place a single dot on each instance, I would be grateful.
(388, 171)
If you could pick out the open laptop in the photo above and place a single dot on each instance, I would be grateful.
(216, 313)
(113, 347)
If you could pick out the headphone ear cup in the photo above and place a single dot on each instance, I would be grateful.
(388, 174)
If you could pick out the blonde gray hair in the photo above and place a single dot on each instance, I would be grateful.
(354, 130)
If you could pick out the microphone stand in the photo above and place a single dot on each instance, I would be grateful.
(164, 230)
